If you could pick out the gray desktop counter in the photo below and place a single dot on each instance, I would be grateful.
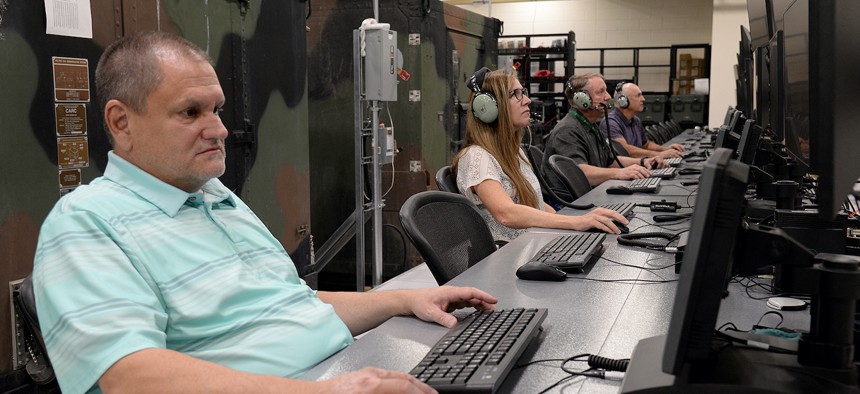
(603, 311)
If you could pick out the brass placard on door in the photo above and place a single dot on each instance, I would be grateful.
(73, 152)
(70, 178)
(71, 119)
(71, 79)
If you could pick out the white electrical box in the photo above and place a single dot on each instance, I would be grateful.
(380, 65)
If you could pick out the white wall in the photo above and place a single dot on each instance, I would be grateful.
(637, 23)
(729, 15)
(612, 24)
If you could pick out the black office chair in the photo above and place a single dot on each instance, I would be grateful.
(535, 156)
(447, 180)
(570, 173)
(39, 369)
(448, 231)
(619, 149)
(676, 128)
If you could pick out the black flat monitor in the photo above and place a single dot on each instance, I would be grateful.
(707, 261)
(762, 84)
(796, 88)
(729, 113)
(748, 145)
(729, 136)
(821, 62)
(776, 75)
(745, 70)
(760, 14)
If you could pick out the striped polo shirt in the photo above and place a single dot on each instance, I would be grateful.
(129, 262)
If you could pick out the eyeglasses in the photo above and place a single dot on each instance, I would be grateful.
(519, 94)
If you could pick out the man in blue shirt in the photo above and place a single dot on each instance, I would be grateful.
(157, 278)
(626, 128)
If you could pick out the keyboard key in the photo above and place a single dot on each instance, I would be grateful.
(506, 332)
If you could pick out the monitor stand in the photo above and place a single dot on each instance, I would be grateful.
(733, 369)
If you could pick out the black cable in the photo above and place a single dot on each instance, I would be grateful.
(625, 281)
(608, 140)
(641, 240)
(539, 361)
(609, 364)
(658, 268)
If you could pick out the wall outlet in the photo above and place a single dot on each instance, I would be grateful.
(19, 348)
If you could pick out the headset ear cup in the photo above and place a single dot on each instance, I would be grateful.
(622, 101)
(582, 100)
(485, 108)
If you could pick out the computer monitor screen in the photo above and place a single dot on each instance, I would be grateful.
(745, 71)
(750, 138)
(729, 113)
(762, 83)
(777, 81)
(707, 261)
(796, 67)
(821, 62)
(834, 61)
(761, 28)
(779, 7)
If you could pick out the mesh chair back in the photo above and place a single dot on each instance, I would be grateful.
(448, 232)
(675, 127)
(619, 149)
(446, 180)
(570, 173)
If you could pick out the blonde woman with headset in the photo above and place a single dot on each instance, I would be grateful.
(493, 172)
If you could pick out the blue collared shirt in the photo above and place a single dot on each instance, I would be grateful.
(130, 262)
(631, 130)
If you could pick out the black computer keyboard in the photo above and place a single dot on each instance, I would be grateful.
(667, 172)
(571, 252)
(624, 208)
(673, 161)
(646, 185)
(477, 354)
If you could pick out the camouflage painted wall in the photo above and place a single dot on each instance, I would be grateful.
(452, 44)
(260, 53)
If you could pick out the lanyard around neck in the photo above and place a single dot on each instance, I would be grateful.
(590, 125)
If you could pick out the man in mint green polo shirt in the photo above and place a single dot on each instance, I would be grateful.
(157, 278)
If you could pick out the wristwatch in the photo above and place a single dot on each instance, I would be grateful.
(642, 161)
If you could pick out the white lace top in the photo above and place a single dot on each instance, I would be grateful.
(478, 165)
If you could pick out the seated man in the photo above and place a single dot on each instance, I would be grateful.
(157, 278)
(626, 128)
(576, 136)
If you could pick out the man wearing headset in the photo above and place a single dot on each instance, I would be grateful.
(625, 127)
(577, 136)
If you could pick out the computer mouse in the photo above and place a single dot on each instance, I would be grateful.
(623, 228)
(535, 270)
(618, 190)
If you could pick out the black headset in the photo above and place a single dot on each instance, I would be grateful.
(620, 99)
(579, 98)
(484, 105)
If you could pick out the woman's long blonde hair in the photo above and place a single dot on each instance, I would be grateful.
(500, 138)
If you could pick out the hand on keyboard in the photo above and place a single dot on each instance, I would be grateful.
(632, 172)
(435, 304)
(375, 380)
(669, 153)
(604, 219)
